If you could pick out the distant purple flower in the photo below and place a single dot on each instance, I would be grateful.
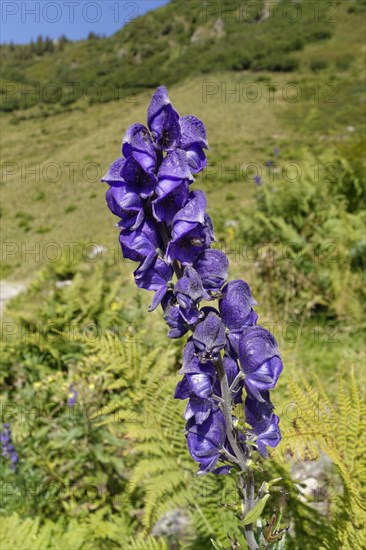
(258, 180)
(276, 151)
(8, 450)
(72, 397)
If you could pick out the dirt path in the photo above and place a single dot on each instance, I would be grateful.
(7, 291)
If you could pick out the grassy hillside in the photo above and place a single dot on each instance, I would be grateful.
(180, 40)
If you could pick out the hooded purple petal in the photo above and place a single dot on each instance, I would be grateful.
(137, 143)
(199, 409)
(206, 440)
(163, 121)
(140, 243)
(194, 210)
(236, 305)
(212, 266)
(172, 316)
(264, 423)
(114, 175)
(170, 199)
(127, 205)
(138, 179)
(175, 167)
(209, 337)
(259, 359)
(193, 132)
(154, 276)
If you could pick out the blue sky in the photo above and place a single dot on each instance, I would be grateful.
(23, 20)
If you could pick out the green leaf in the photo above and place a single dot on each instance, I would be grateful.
(255, 512)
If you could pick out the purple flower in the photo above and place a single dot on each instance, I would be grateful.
(138, 144)
(114, 176)
(172, 316)
(166, 229)
(191, 230)
(154, 274)
(170, 132)
(189, 292)
(198, 409)
(258, 180)
(193, 141)
(198, 388)
(259, 414)
(206, 441)
(127, 205)
(167, 204)
(8, 450)
(212, 266)
(140, 243)
(260, 360)
(72, 397)
(236, 305)
(141, 181)
(209, 337)
(163, 121)
(172, 189)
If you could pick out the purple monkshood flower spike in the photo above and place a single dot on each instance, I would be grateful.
(8, 450)
(228, 359)
(72, 397)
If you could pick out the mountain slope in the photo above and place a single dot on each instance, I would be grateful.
(178, 40)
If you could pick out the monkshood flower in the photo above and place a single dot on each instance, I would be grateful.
(206, 441)
(260, 360)
(72, 396)
(264, 423)
(8, 450)
(164, 227)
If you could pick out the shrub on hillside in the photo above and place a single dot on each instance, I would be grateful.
(309, 234)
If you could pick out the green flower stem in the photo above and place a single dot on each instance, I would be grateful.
(246, 482)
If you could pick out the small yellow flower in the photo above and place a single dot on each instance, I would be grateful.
(37, 385)
(114, 306)
(91, 386)
(230, 235)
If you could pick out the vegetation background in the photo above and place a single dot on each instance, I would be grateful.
(280, 87)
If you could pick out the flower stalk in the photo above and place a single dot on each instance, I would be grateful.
(229, 359)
